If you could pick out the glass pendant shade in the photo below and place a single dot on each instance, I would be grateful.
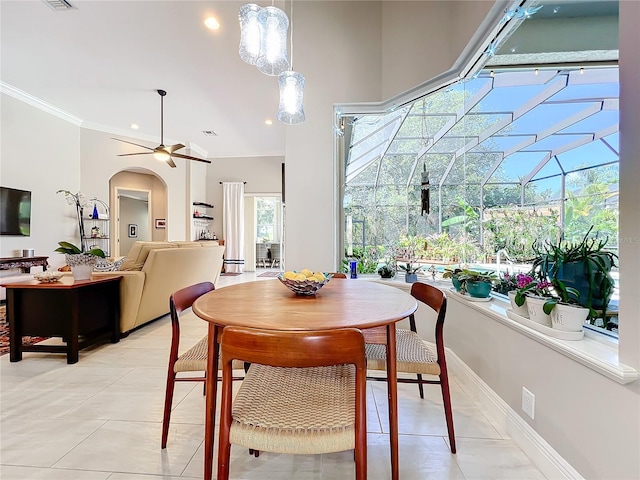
(250, 33)
(290, 110)
(273, 48)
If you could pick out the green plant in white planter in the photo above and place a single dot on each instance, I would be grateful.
(583, 266)
(564, 309)
(81, 263)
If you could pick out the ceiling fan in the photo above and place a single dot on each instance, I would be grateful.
(162, 152)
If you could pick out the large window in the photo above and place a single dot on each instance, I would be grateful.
(510, 156)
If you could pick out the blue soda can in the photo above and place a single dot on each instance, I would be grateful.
(353, 268)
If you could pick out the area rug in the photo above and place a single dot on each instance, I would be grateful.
(269, 274)
(230, 274)
(4, 333)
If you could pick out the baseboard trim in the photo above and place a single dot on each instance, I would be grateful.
(543, 455)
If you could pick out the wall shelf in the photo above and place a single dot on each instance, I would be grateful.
(202, 204)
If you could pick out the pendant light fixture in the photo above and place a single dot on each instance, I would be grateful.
(291, 83)
(273, 47)
(250, 33)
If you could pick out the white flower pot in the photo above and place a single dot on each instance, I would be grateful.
(520, 310)
(536, 314)
(568, 318)
(82, 272)
(81, 265)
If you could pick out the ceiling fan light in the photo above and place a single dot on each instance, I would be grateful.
(273, 47)
(290, 110)
(250, 33)
(161, 155)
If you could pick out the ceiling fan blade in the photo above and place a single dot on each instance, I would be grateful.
(131, 143)
(137, 153)
(188, 157)
(173, 148)
(170, 163)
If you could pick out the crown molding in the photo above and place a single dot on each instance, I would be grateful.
(39, 104)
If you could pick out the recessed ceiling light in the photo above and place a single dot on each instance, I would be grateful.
(268, 122)
(212, 23)
(134, 126)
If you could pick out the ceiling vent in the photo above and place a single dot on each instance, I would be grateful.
(209, 133)
(59, 5)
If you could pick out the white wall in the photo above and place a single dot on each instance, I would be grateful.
(430, 36)
(629, 191)
(100, 162)
(158, 201)
(339, 56)
(590, 420)
(197, 191)
(40, 153)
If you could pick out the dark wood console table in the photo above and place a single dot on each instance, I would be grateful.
(81, 312)
(23, 263)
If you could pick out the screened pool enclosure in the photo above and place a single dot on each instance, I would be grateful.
(535, 149)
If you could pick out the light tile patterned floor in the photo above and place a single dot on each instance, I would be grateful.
(101, 419)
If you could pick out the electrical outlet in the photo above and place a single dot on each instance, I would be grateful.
(528, 402)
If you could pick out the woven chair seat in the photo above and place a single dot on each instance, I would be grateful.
(195, 359)
(414, 355)
(295, 410)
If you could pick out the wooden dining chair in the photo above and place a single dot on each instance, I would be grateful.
(298, 395)
(416, 356)
(194, 359)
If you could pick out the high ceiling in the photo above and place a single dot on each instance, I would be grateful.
(516, 121)
(103, 61)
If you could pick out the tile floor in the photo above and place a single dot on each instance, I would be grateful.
(101, 419)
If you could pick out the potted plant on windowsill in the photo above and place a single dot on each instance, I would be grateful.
(564, 309)
(536, 293)
(410, 271)
(516, 288)
(455, 280)
(583, 266)
(386, 270)
(477, 284)
(81, 263)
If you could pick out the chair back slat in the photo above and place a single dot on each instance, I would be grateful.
(184, 298)
(295, 349)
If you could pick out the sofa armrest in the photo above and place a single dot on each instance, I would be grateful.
(169, 270)
(131, 287)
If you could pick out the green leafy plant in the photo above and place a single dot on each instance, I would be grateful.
(386, 270)
(562, 294)
(410, 268)
(71, 249)
(477, 276)
(553, 259)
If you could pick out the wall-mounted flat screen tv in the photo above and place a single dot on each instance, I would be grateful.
(15, 212)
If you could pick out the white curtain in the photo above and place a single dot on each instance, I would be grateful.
(233, 226)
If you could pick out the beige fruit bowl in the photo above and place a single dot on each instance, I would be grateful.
(304, 287)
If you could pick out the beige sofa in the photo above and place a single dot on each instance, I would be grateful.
(152, 271)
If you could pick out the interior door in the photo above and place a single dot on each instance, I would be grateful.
(133, 218)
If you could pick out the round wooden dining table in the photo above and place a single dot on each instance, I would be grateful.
(341, 303)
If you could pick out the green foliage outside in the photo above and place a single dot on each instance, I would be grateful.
(518, 229)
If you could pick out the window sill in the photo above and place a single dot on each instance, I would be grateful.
(595, 351)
